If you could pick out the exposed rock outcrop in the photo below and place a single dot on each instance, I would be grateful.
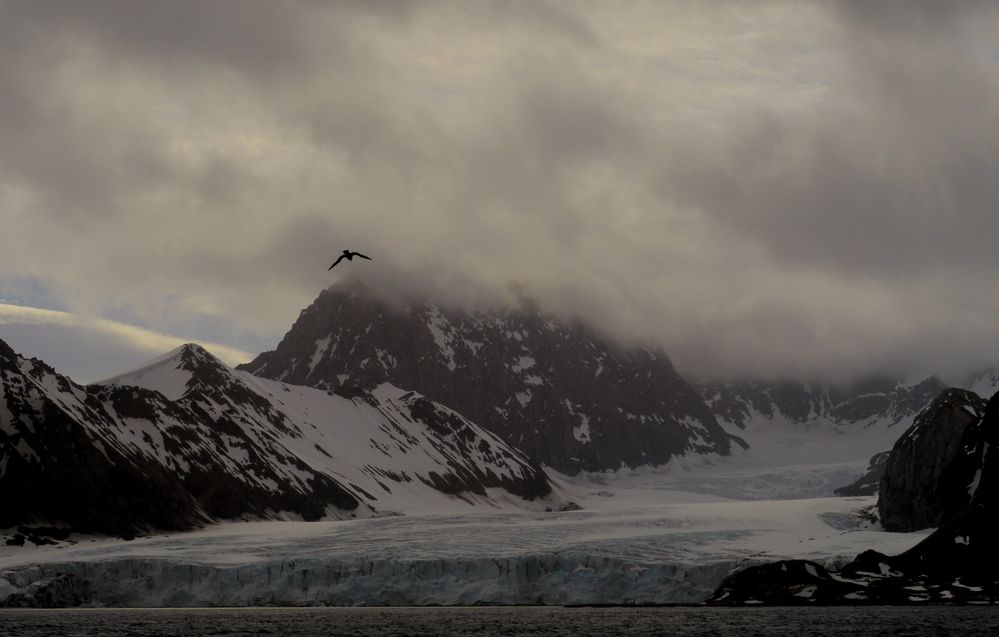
(910, 496)
(870, 482)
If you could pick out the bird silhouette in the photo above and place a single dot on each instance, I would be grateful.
(347, 254)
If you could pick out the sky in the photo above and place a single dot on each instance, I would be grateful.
(767, 188)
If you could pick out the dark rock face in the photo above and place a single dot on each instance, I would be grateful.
(910, 495)
(566, 397)
(971, 480)
(865, 402)
(870, 482)
(784, 583)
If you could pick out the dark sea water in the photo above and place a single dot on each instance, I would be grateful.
(487, 622)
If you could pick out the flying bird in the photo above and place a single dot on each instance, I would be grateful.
(347, 254)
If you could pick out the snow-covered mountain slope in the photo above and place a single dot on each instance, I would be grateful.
(117, 459)
(559, 392)
(388, 445)
(124, 456)
(395, 450)
(618, 550)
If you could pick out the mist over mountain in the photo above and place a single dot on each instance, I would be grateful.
(560, 392)
(792, 190)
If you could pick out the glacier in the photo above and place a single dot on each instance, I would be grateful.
(623, 548)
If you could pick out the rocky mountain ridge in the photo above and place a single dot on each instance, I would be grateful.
(870, 402)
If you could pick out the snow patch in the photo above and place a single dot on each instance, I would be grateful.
(443, 334)
(973, 487)
(319, 352)
(525, 362)
(581, 432)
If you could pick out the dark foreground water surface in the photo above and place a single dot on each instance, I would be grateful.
(487, 622)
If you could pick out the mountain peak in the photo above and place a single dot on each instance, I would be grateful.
(557, 390)
(174, 373)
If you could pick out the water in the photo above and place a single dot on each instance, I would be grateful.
(490, 622)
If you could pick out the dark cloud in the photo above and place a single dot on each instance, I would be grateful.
(775, 188)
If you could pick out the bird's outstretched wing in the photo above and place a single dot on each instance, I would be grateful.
(358, 254)
(338, 260)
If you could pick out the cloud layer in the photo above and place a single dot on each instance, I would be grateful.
(765, 188)
(89, 349)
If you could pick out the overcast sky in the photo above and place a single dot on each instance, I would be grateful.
(764, 188)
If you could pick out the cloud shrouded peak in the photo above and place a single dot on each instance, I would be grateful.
(765, 188)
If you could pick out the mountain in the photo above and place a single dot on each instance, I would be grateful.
(187, 440)
(561, 393)
(956, 563)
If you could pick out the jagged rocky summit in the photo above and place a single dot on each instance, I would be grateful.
(187, 440)
(558, 391)
(957, 563)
